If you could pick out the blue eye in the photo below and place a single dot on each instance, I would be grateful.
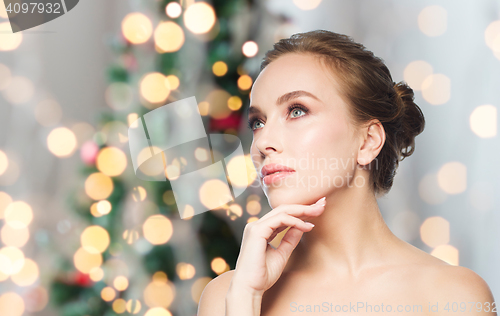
(291, 108)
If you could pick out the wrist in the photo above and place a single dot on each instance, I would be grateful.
(241, 298)
(241, 291)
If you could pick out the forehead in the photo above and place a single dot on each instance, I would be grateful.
(293, 72)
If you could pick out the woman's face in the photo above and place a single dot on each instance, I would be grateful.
(300, 121)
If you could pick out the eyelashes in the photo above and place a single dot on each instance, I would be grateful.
(290, 108)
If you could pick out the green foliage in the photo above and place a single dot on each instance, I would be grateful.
(161, 258)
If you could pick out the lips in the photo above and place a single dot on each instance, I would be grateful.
(274, 168)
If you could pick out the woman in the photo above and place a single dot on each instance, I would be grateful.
(326, 115)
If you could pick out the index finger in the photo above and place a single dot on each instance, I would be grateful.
(296, 210)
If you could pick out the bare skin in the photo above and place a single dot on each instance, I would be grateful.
(350, 255)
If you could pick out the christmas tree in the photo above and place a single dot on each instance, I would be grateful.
(136, 255)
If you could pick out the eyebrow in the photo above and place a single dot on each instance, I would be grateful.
(285, 98)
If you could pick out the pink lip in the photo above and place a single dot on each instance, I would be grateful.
(273, 167)
(276, 177)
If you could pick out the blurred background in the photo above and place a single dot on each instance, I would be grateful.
(82, 235)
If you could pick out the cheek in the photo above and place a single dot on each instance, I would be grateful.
(325, 139)
(324, 151)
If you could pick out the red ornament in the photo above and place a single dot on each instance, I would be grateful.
(82, 279)
(88, 152)
(232, 121)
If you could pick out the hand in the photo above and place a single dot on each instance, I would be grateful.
(259, 265)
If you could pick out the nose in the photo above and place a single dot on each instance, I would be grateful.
(268, 140)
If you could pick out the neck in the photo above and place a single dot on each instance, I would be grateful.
(349, 236)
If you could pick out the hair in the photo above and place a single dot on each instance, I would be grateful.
(366, 85)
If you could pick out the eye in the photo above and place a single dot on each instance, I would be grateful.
(251, 123)
(292, 109)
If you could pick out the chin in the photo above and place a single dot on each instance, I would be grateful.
(276, 197)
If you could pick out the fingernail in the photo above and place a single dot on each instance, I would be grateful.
(310, 224)
(322, 200)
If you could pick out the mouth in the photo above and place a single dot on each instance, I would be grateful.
(276, 176)
(272, 172)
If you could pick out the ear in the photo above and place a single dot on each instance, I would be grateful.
(372, 137)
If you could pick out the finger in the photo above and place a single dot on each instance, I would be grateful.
(298, 209)
(265, 228)
(289, 242)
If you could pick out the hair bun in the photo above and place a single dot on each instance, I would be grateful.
(412, 119)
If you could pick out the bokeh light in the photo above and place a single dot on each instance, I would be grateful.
(435, 231)
(85, 261)
(111, 161)
(307, 5)
(198, 287)
(219, 68)
(172, 81)
(234, 103)
(61, 142)
(185, 271)
(158, 311)
(492, 36)
(98, 186)
(214, 193)
(173, 10)
(9, 40)
(245, 82)
(253, 207)
(199, 17)
(20, 89)
(120, 283)
(15, 237)
(219, 265)
(137, 28)
(483, 121)
(139, 194)
(154, 87)
(416, 72)
(452, 177)
(96, 274)
(133, 306)
(241, 177)
(436, 89)
(18, 214)
(234, 211)
(108, 294)
(217, 104)
(446, 253)
(119, 306)
(28, 274)
(159, 293)
(11, 304)
(4, 162)
(11, 260)
(157, 229)
(95, 239)
(433, 20)
(250, 49)
(169, 36)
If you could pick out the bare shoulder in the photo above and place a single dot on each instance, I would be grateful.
(450, 283)
(212, 301)
(440, 282)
